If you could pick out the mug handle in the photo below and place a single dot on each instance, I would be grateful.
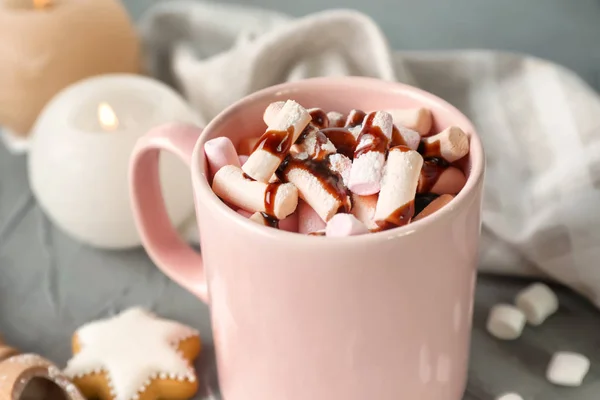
(166, 248)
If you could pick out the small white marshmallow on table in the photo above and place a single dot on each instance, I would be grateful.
(324, 173)
(510, 396)
(533, 305)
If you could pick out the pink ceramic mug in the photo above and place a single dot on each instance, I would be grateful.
(383, 316)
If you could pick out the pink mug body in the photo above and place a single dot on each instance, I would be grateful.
(383, 316)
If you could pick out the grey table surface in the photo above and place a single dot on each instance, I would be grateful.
(50, 284)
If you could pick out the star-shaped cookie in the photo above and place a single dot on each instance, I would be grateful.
(135, 356)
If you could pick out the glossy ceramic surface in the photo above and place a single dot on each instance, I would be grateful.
(382, 316)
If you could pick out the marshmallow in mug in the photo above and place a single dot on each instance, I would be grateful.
(339, 174)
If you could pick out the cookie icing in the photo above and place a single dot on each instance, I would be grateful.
(132, 348)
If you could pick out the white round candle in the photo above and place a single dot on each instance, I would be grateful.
(80, 150)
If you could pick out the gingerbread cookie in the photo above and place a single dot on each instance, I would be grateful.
(135, 356)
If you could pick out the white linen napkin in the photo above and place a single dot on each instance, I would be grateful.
(540, 123)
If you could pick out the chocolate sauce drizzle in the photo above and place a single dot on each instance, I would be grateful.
(397, 138)
(269, 201)
(430, 173)
(429, 149)
(270, 220)
(355, 118)
(400, 217)
(316, 233)
(321, 141)
(330, 180)
(320, 153)
(319, 118)
(302, 137)
(270, 194)
(379, 142)
(276, 142)
(342, 139)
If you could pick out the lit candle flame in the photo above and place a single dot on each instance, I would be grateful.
(39, 4)
(107, 117)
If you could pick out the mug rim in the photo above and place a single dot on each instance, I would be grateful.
(207, 198)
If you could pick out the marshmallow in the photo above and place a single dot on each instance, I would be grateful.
(451, 144)
(319, 118)
(417, 119)
(430, 173)
(308, 220)
(369, 156)
(276, 199)
(450, 181)
(395, 205)
(220, 152)
(402, 136)
(439, 178)
(323, 191)
(289, 223)
(243, 160)
(505, 322)
(275, 143)
(342, 225)
(355, 118)
(354, 121)
(510, 396)
(314, 144)
(363, 208)
(246, 145)
(537, 302)
(342, 165)
(567, 368)
(434, 206)
(336, 119)
(271, 112)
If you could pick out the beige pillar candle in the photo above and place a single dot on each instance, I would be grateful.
(46, 45)
(27, 4)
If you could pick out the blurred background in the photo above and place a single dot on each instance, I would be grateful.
(64, 206)
(566, 32)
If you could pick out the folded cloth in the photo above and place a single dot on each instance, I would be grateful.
(540, 123)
